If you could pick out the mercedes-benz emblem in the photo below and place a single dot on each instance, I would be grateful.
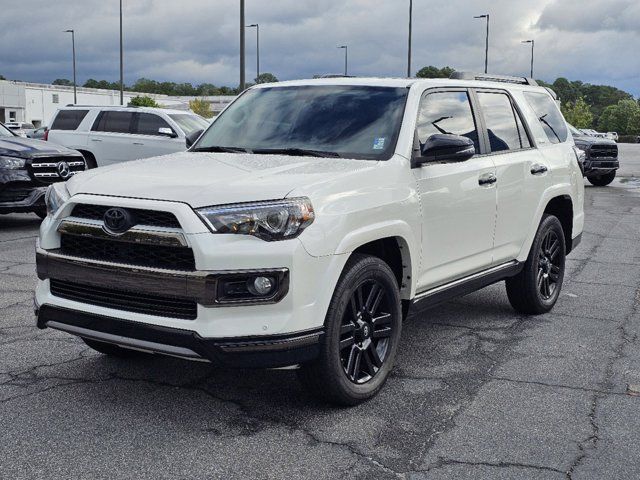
(63, 170)
(117, 221)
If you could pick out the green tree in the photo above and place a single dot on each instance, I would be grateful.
(435, 72)
(266, 78)
(143, 101)
(578, 113)
(621, 117)
(2, 77)
(62, 81)
(201, 107)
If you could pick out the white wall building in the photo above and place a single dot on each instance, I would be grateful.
(36, 102)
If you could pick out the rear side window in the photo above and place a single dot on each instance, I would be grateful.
(148, 124)
(68, 119)
(549, 116)
(502, 122)
(446, 112)
(114, 122)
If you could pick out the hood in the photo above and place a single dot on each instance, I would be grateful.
(587, 140)
(203, 179)
(31, 148)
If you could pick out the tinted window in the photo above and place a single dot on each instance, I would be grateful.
(549, 116)
(4, 132)
(68, 119)
(500, 120)
(352, 121)
(148, 124)
(447, 112)
(524, 136)
(116, 122)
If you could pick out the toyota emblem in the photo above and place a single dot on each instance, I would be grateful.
(117, 221)
(63, 170)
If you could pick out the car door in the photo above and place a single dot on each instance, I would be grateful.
(458, 199)
(149, 142)
(110, 139)
(518, 189)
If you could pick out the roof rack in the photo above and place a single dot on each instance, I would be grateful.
(334, 75)
(493, 78)
(92, 106)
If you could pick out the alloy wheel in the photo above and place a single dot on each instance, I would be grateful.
(365, 332)
(549, 265)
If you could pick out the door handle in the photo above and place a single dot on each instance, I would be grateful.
(138, 143)
(96, 140)
(537, 169)
(487, 179)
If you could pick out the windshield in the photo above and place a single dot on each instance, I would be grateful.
(348, 121)
(5, 132)
(574, 131)
(189, 123)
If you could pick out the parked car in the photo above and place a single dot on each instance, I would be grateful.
(39, 133)
(27, 167)
(600, 161)
(108, 135)
(22, 129)
(612, 136)
(301, 226)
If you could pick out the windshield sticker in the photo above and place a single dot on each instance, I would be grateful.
(378, 143)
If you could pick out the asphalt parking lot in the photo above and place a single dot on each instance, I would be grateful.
(477, 392)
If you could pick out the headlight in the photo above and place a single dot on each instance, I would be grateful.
(55, 197)
(270, 221)
(12, 163)
(584, 148)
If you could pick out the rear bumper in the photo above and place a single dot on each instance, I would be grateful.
(244, 352)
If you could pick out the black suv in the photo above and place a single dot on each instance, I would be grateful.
(601, 157)
(27, 167)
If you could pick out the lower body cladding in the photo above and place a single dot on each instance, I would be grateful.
(21, 197)
(198, 315)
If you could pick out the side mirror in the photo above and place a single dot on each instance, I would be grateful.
(442, 147)
(192, 137)
(167, 132)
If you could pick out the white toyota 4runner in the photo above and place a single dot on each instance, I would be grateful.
(303, 223)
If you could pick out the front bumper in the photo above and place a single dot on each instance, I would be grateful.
(600, 165)
(246, 352)
(21, 196)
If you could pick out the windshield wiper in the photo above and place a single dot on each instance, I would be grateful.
(297, 152)
(217, 148)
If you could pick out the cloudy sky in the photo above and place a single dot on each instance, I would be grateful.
(196, 41)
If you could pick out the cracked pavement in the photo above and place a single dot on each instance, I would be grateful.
(478, 391)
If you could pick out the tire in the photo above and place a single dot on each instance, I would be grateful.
(536, 288)
(362, 332)
(41, 212)
(111, 350)
(89, 159)
(602, 180)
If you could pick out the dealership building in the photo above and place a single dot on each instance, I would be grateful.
(36, 102)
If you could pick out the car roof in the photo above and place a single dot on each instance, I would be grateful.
(125, 109)
(403, 83)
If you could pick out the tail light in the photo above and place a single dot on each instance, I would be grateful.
(45, 137)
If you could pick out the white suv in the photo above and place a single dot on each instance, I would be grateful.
(108, 135)
(306, 220)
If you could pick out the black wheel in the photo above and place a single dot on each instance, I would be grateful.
(536, 288)
(110, 349)
(602, 180)
(363, 326)
(41, 212)
(89, 159)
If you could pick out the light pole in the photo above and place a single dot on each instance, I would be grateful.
(410, 28)
(257, 27)
(73, 50)
(486, 45)
(346, 58)
(242, 72)
(121, 60)
(533, 45)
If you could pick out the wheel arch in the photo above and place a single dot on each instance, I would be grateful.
(89, 157)
(561, 207)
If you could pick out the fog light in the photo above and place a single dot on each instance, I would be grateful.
(260, 285)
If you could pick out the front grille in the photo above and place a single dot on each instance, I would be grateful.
(125, 300)
(141, 217)
(154, 256)
(46, 170)
(15, 193)
(603, 151)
